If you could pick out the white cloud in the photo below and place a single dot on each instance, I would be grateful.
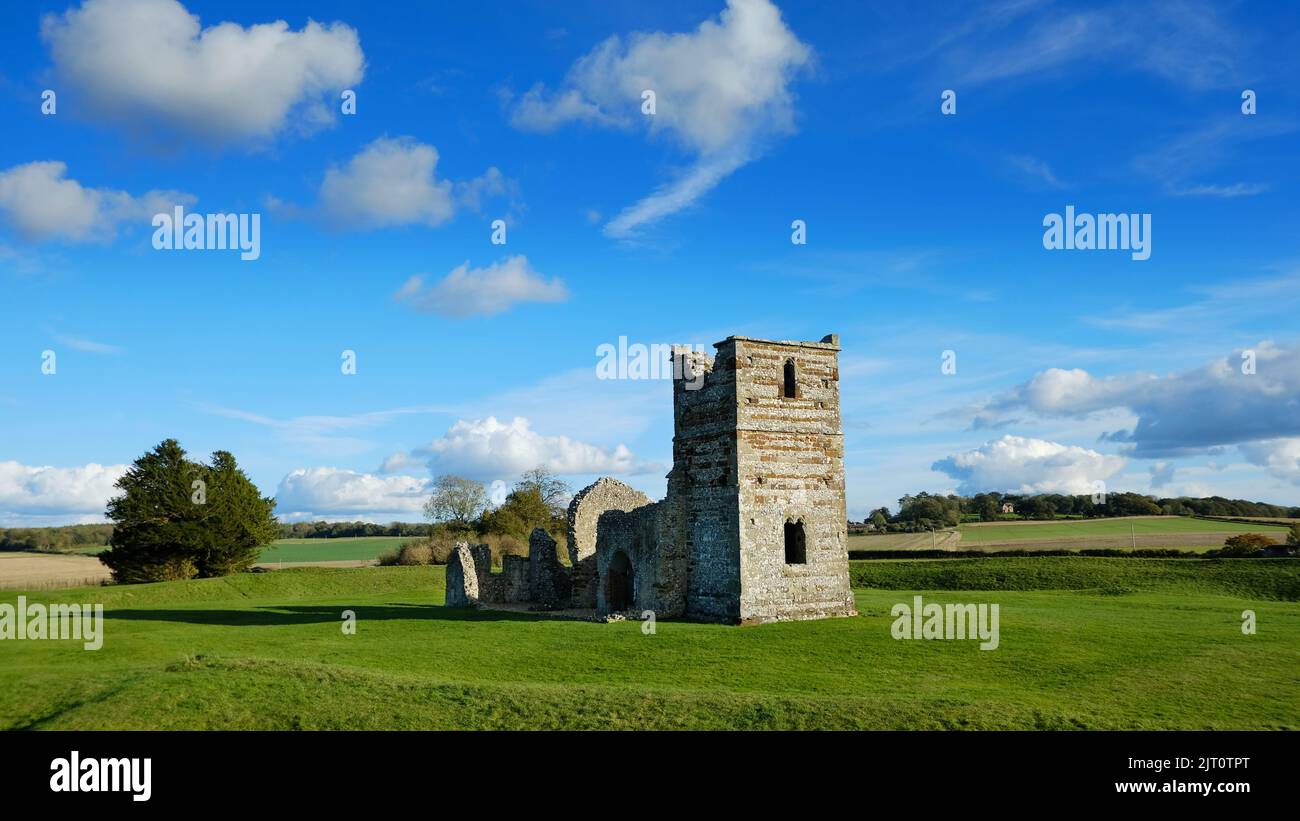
(486, 291)
(1280, 456)
(1024, 465)
(489, 449)
(472, 194)
(721, 91)
(390, 182)
(398, 462)
(139, 62)
(51, 491)
(312, 492)
(676, 195)
(393, 182)
(1182, 413)
(41, 203)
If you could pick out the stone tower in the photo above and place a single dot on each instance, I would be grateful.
(753, 527)
(758, 477)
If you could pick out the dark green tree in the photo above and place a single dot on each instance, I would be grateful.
(239, 520)
(177, 519)
(523, 510)
(154, 521)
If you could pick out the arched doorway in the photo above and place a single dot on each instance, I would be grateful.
(618, 583)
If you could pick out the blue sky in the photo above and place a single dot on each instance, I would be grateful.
(924, 235)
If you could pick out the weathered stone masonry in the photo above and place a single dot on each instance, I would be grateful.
(753, 527)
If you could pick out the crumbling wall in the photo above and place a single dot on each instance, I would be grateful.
(702, 485)
(514, 579)
(462, 578)
(548, 580)
(584, 517)
(747, 459)
(658, 565)
(470, 579)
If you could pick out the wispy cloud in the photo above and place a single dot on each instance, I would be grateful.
(330, 434)
(1205, 150)
(87, 345)
(1190, 44)
(1219, 306)
(1036, 170)
(721, 92)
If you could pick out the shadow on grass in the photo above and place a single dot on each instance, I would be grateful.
(281, 616)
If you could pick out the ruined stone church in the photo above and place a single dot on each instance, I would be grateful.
(753, 527)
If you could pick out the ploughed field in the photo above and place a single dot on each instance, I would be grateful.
(48, 571)
(1083, 643)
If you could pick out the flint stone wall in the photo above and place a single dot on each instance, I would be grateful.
(548, 581)
(747, 459)
(462, 578)
(585, 512)
(790, 468)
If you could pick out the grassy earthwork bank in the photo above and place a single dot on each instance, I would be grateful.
(1084, 643)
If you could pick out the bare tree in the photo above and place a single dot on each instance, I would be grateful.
(555, 492)
(456, 501)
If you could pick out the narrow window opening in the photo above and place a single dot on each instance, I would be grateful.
(789, 389)
(795, 545)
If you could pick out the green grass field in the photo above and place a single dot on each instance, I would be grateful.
(1142, 526)
(360, 548)
(1085, 643)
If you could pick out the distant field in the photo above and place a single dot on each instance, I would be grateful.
(361, 548)
(1140, 525)
(1149, 532)
(941, 540)
(46, 571)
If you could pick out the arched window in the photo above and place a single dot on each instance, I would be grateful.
(796, 551)
(789, 391)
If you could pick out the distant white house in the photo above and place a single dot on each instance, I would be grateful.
(1007, 507)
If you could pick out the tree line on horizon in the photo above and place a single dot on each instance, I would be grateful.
(923, 511)
(460, 507)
